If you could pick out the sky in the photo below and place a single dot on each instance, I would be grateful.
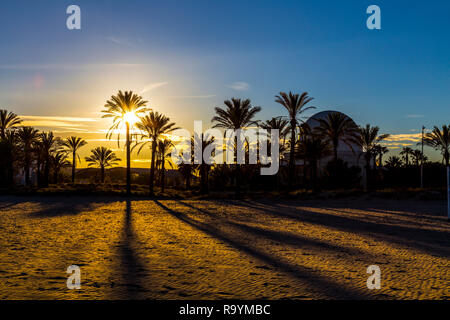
(187, 57)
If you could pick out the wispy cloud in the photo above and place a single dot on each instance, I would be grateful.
(414, 116)
(195, 97)
(72, 123)
(152, 86)
(239, 86)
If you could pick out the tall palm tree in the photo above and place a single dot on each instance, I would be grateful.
(237, 114)
(124, 108)
(102, 158)
(73, 144)
(440, 140)
(27, 137)
(153, 125)
(8, 120)
(295, 104)
(336, 128)
(164, 152)
(406, 153)
(58, 161)
(368, 138)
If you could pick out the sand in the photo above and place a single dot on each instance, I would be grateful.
(186, 249)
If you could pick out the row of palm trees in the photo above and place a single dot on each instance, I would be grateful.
(129, 109)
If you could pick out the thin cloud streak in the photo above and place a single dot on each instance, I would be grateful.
(152, 86)
(239, 86)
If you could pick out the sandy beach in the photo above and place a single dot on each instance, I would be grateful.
(211, 249)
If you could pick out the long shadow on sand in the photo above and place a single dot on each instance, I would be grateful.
(59, 207)
(329, 288)
(429, 241)
(279, 236)
(131, 267)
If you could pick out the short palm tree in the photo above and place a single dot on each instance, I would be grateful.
(58, 161)
(125, 109)
(406, 153)
(199, 143)
(164, 147)
(153, 125)
(73, 144)
(440, 140)
(336, 128)
(27, 137)
(102, 158)
(418, 157)
(8, 157)
(394, 162)
(295, 104)
(312, 148)
(237, 114)
(368, 139)
(8, 120)
(46, 144)
(379, 151)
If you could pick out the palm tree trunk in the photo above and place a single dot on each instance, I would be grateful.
(73, 166)
(152, 168)
(163, 182)
(292, 155)
(102, 174)
(128, 161)
(238, 181)
(27, 169)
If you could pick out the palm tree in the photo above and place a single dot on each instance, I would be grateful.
(58, 161)
(46, 145)
(27, 137)
(164, 152)
(418, 157)
(73, 144)
(368, 138)
(406, 152)
(8, 120)
(201, 142)
(186, 170)
(236, 114)
(102, 158)
(8, 156)
(394, 162)
(295, 105)
(311, 148)
(380, 151)
(440, 140)
(153, 126)
(336, 128)
(124, 108)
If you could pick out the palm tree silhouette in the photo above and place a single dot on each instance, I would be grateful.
(406, 152)
(237, 114)
(73, 144)
(295, 105)
(199, 143)
(46, 145)
(102, 158)
(8, 120)
(153, 125)
(394, 162)
(379, 151)
(164, 152)
(335, 128)
(8, 157)
(368, 139)
(58, 161)
(27, 137)
(440, 140)
(124, 108)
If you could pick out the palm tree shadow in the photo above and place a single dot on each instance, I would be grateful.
(331, 288)
(132, 269)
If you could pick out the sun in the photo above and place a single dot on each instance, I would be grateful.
(131, 118)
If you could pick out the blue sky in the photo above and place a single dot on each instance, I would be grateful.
(186, 57)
